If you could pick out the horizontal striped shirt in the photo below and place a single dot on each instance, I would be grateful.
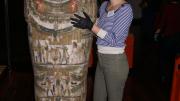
(115, 27)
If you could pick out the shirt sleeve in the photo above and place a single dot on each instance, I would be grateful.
(120, 28)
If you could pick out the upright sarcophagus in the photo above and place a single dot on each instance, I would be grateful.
(59, 51)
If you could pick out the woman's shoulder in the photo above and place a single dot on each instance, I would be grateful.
(104, 4)
(125, 6)
(103, 7)
(124, 9)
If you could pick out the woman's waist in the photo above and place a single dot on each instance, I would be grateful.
(110, 50)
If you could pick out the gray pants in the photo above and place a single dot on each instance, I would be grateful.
(111, 75)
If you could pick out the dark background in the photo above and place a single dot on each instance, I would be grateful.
(2, 35)
(16, 36)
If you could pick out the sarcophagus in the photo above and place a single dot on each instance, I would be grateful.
(59, 51)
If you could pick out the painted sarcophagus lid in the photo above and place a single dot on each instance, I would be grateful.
(59, 51)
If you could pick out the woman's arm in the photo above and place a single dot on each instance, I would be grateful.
(117, 33)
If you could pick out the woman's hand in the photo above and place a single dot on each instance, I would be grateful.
(81, 22)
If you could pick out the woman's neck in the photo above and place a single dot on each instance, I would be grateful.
(115, 4)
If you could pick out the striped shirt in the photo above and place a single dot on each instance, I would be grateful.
(114, 27)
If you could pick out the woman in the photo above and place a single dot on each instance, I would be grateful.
(111, 30)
